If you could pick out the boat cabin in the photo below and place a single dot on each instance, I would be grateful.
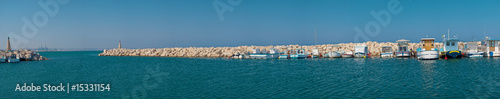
(361, 49)
(472, 46)
(402, 45)
(427, 43)
(450, 45)
(300, 51)
(492, 45)
(387, 49)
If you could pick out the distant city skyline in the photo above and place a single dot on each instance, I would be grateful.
(99, 24)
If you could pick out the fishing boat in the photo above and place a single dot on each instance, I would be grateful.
(299, 54)
(13, 59)
(472, 50)
(386, 51)
(285, 54)
(336, 54)
(272, 54)
(403, 48)
(450, 49)
(490, 47)
(315, 54)
(347, 54)
(361, 51)
(427, 51)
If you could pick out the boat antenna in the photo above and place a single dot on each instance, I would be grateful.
(448, 33)
(315, 41)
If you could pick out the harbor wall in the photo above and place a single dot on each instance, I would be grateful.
(373, 47)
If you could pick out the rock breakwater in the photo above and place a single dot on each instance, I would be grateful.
(373, 47)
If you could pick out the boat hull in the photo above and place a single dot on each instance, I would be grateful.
(492, 54)
(360, 55)
(474, 54)
(13, 60)
(284, 57)
(428, 55)
(334, 55)
(347, 55)
(386, 55)
(3, 60)
(403, 54)
(297, 56)
(264, 56)
(454, 54)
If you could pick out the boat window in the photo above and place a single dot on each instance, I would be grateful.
(453, 43)
(447, 43)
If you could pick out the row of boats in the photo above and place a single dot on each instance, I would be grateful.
(426, 51)
(11, 59)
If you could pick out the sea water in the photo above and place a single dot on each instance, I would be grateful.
(167, 77)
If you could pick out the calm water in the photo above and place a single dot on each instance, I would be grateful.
(163, 77)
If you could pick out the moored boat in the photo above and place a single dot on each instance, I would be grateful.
(13, 59)
(427, 51)
(450, 49)
(361, 51)
(386, 51)
(472, 50)
(403, 48)
(347, 54)
(336, 54)
(491, 47)
(299, 54)
(285, 54)
(315, 54)
(272, 54)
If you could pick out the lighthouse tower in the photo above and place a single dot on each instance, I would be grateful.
(119, 44)
(8, 44)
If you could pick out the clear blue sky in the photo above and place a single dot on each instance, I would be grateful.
(184, 23)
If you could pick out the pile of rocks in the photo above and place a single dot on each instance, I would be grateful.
(24, 55)
(373, 47)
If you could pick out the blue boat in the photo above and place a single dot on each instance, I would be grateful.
(299, 54)
(450, 48)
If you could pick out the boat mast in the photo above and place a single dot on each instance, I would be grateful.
(315, 42)
(448, 34)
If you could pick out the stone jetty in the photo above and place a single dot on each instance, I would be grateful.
(373, 47)
(24, 55)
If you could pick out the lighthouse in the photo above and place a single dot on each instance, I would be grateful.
(119, 44)
(8, 44)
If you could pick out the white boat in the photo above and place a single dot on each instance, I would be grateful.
(272, 54)
(472, 50)
(299, 54)
(387, 51)
(347, 54)
(490, 47)
(427, 51)
(13, 59)
(315, 54)
(403, 48)
(361, 51)
(336, 54)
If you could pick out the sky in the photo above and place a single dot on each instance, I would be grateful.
(216, 23)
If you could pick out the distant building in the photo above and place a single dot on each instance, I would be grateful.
(119, 44)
